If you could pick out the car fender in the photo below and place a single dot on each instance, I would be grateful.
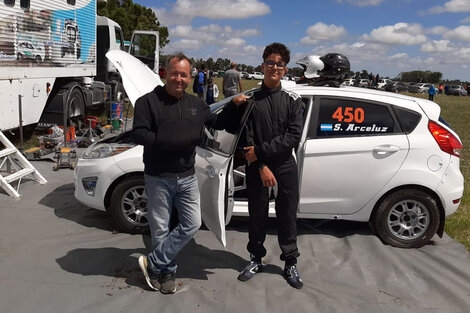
(131, 160)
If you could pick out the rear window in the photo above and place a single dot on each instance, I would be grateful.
(408, 119)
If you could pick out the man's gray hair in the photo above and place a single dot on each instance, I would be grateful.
(180, 56)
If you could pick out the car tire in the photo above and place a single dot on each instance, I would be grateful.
(128, 206)
(406, 219)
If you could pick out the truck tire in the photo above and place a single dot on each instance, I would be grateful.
(128, 206)
(75, 105)
(406, 219)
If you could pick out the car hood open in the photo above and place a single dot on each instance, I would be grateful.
(137, 78)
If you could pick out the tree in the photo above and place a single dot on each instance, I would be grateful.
(420, 77)
(132, 17)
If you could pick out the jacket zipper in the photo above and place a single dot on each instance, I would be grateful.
(179, 108)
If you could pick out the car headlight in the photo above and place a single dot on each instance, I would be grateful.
(105, 150)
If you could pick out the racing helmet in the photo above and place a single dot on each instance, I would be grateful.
(336, 66)
(312, 65)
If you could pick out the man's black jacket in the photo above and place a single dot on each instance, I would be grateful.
(171, 128)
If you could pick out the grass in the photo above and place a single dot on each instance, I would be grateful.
(456, 111)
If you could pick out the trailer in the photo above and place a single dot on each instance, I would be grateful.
(53, 64)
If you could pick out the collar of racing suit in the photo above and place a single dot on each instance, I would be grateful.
(268, 90)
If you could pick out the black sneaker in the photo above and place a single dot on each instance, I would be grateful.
(153, 280)
(292, 276)
(168, 283)
(250, 270)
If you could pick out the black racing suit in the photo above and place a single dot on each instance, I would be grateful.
(274, 128)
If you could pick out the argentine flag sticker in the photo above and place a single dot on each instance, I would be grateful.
(326, 127)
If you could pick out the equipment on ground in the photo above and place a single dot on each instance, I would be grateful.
(66, 158)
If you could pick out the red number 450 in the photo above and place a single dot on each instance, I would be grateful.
(349, 114)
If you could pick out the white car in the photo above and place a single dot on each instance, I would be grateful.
(26, 50)
(382, 82)
(256, 75)
(364, 83)
(419, 88)
(365, 155)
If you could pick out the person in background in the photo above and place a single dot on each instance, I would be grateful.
(201, 81)
(431, 92)
(273, 130)
(232, 82)
(441, 87)
(211, 92)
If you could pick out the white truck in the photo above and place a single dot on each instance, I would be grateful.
(52, 57)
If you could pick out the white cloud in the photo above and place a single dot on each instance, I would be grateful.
(221, 9)
(213, 34)
(459, 33)
(437, 30)
(398, 34)
(320, 32)
(452, 6)
(185, 44)
(169, 18)
(398, 56)
(250, 32)
(465, 20)
(248, 54)
(235, 42)
(436, 46)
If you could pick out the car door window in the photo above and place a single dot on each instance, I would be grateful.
(222, 141)
(340, 117)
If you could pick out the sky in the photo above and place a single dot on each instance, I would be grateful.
(384, 37)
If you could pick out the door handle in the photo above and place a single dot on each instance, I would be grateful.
(385, 150)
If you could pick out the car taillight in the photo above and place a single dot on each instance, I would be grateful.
(445, 139)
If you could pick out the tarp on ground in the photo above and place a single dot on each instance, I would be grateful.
(57, 255)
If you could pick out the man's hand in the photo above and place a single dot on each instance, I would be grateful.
(267, 177)
(250, 154)
(241, 99)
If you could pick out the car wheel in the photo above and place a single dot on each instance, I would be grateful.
(128, 206)
(406, 219)
(38, 59)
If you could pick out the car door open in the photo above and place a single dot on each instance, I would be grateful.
(214, 166)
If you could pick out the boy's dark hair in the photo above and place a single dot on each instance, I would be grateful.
(180, 56)
(209, 80)
(277, 48)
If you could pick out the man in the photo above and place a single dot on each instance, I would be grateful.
(231, 81)
(168, 122)
(273, 130)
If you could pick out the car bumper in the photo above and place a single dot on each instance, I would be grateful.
(450, 188)
(103, 171)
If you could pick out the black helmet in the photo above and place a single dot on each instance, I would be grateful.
(336, 66)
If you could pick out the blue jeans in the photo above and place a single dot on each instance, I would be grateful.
(163, 194)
